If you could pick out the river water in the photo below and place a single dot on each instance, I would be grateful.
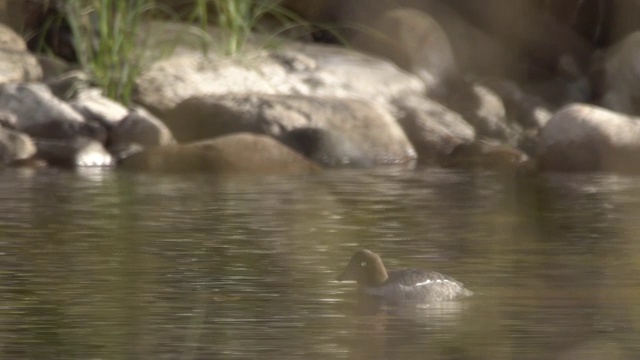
(107, 265)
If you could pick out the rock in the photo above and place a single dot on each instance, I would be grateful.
(618, 77)
(417, 43)
(527, 110)
(79, 152)
(52, 66)
(8, 119)
(68, 85)
(96, 107)
(433, 129)
(291, 69)
(15, 146)
(482, 108)
(40, 114)
(487, 154)
(475, 51)
(326, 147)
(142, 128)
(583, 137)
(366, 126)
(235, 154)
(539, 38)
(16, 63)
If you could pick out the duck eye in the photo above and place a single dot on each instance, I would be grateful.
(363, 264)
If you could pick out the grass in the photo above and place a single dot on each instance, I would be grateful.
(105, 32)
(239, 18)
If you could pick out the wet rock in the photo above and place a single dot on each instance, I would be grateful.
(65, 130)
(242, 153)
(328, 148)
(583, 137)
(142, 128)
(292, 68)
(487, 154)
(16, 63)
(79, 152)
(364, 125)
(15, 146)
(433, 129)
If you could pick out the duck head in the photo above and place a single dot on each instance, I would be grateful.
(365, 268)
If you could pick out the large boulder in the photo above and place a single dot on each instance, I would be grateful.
(417, 43)
(583, 137)
(192, 69)
(41, 114)
(243, 153)
(365, 126)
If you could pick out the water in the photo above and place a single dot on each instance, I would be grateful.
(108, 265)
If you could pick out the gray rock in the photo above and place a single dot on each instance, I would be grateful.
(41, 114)
(583, 137)
(366, 126)
(79, 152)
(417, 43)
(482, 108)
(242, 153)
(292, 68)
(94, 106)
(527, 110)
(8, 119)
(142, 128)
(15, 146)
(433, 129)
(16, 63)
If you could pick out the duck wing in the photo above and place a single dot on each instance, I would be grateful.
(429, 285)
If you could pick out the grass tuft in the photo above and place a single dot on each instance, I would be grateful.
(105, 32)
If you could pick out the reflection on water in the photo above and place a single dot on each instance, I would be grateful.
(103, 265)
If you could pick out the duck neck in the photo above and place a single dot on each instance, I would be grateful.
(379, 276)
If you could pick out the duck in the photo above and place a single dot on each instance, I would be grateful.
(398, 286)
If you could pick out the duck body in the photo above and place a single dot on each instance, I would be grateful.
(396, 286)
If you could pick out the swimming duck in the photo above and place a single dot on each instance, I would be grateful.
(367, 269)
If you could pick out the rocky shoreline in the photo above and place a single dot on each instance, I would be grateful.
(299, 107)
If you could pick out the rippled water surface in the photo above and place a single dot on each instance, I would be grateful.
(104, 265)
